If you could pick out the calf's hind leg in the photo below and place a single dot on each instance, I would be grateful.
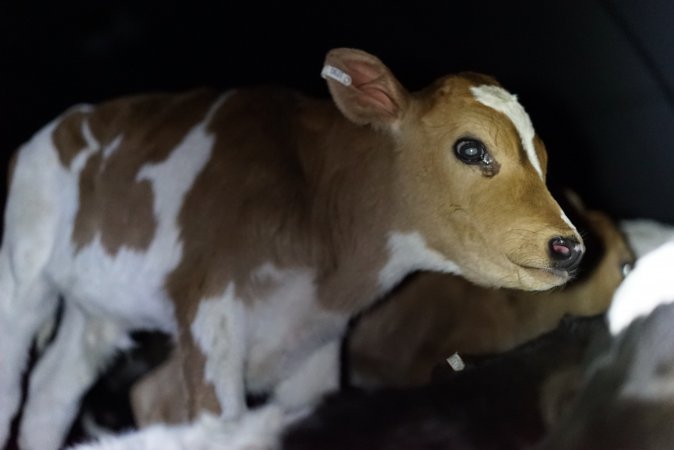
(27, 299)
(67, 369)
(23, 309)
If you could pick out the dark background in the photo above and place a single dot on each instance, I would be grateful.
(597, 76)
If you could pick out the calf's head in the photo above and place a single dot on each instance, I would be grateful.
(468, 172)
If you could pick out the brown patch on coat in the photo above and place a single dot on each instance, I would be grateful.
(169, 393)
(145, 130)
(201, 393)
(265, 172)
(68, 138)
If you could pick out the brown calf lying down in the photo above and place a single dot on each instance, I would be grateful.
(504, 402)
(432, 316)
(252, 225)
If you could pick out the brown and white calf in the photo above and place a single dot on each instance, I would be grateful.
(252, 225)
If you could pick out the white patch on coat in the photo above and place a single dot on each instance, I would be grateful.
(287, 325)
(650, 284)
(112, 147)
(503, 101)
(32, 207)
(259, 429)
(267, 337)
(408, 252)
(130, 284)
(91, 146)
(219, 328)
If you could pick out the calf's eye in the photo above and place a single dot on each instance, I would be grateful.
(470, 151)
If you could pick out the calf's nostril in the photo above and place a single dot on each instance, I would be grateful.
(560, 249)
(566, 253)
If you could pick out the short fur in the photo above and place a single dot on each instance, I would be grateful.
(251, 226)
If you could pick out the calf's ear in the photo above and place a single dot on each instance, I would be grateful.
(364, 89)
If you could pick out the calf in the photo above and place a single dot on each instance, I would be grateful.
(646, 235)
(252, 225)
(431, 316)
(501, 402)
(626, 399)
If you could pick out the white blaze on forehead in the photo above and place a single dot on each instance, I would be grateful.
(503, 101)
